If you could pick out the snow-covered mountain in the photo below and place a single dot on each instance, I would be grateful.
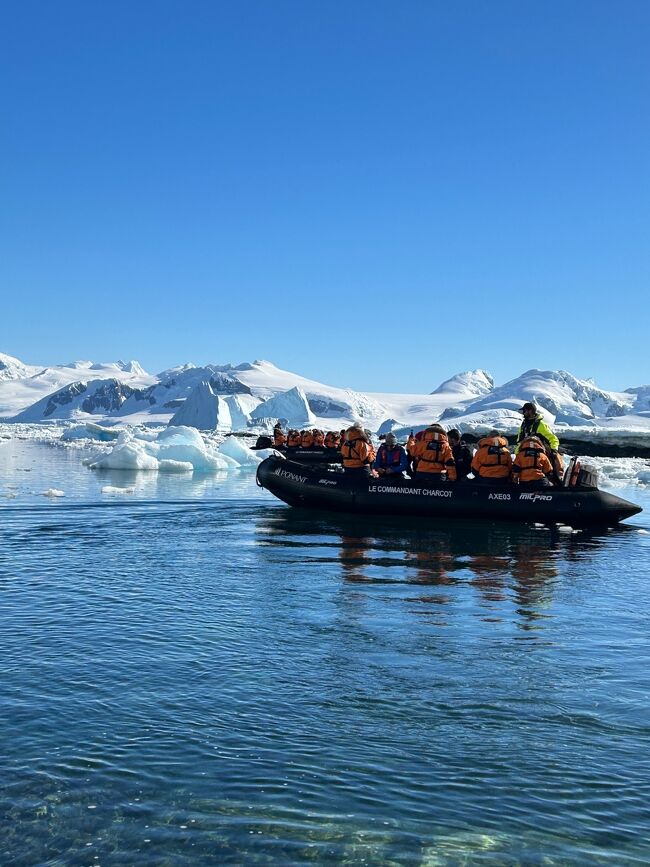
(254, 392)
(471, 382)
(559, 393)
(23, 385)
(102, 397)
(11, 368)
(162, 399)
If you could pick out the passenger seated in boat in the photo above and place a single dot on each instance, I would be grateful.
(319, 438)
(306, 439)
(434, 456)
(391, 459)
(492, 462)
(293, 439)
(531, 468)
(411, 443)
(462, 454)
(356, 451)
(332, 439)
(279, 436)
(373, 453)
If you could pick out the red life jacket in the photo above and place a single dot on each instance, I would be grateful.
(392, 458)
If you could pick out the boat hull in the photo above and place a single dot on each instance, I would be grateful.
(310, 487)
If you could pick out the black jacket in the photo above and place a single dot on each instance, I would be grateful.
(463, 457)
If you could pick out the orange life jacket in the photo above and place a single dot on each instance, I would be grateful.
(332, 439)
(306, 439)
(434, 454)
(279, 437)
(293, 439)
(493, 459)
(319, 438)
(355, 450)
(410, 445)
(531, 463)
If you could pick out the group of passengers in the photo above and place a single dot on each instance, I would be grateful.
(435, 454)
(311, 438)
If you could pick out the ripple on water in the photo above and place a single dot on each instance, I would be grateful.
(229, 682)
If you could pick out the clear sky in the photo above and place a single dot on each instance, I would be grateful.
(374, 194)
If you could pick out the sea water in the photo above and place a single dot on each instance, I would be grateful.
(195, 674)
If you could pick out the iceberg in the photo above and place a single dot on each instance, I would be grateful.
(177, 449)
(90, 431)
(235, 449)
(204, 410)
(241, 406)
(291, 405)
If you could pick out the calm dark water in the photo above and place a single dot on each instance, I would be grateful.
(226, 681)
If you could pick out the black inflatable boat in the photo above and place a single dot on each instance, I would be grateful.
(314, 455)
(301, 485)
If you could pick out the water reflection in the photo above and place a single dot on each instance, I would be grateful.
(511, 567)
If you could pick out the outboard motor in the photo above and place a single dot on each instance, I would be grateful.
(580, 475)
(588, 476)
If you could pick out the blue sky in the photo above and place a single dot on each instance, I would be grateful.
(374, 194)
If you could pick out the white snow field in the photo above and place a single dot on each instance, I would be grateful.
(105, 398)
(22, 385)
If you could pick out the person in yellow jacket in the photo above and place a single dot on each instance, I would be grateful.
(356, 451)
(534, 425)
(492, 461)
(433, 454)
(531, 467)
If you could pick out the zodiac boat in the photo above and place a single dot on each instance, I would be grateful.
(307, 486)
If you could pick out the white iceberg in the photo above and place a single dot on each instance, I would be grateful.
(291, 405)
(177, 449)
(90, 431)
(235, 449)
(204, 410)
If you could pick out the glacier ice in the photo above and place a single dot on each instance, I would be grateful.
(90, 431)
(177, 449)
(235, 449)
(291, 404)
(204, 409)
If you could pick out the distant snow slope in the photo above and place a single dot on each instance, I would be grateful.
(471, 382)
(120, 393)
(23, 385)
(565, 398)
(11, 368)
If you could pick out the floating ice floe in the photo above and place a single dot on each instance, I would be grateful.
(176, 449)
(112, 489)
(620, 472)
(52, 492)
(235, 449)
(90, 431)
